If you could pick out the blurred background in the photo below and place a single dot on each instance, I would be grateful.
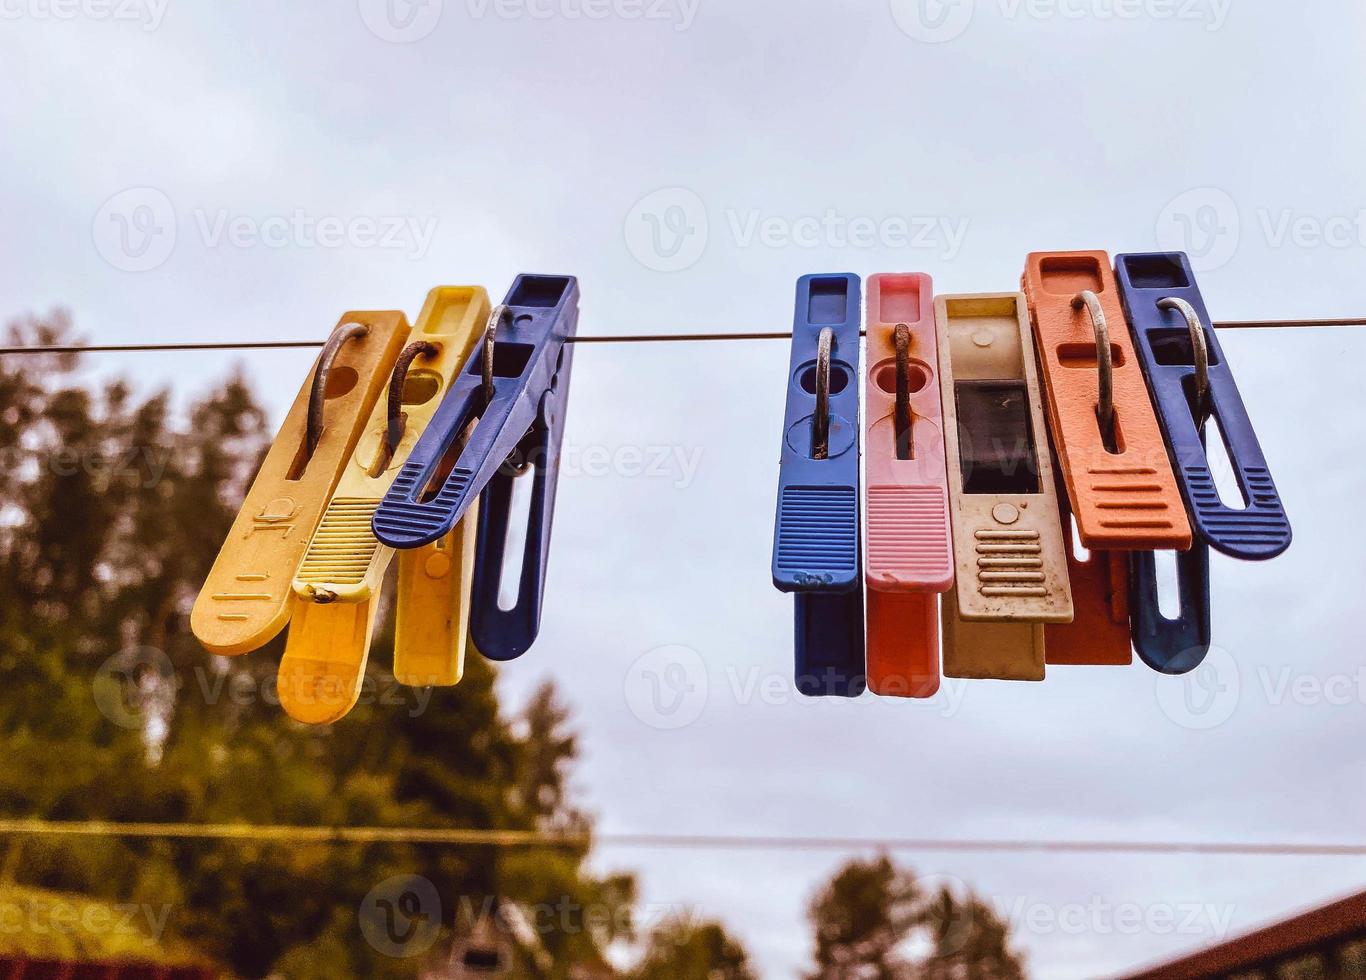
(243, 173)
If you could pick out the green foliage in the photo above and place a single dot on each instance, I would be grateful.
(871, 913)
(112, 509)
(682, 950)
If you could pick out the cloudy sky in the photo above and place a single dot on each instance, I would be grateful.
(250, 171)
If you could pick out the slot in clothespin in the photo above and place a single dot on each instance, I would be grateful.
(245, 601)
(1010, 557)
(910, 548)
(816, 551)
(1122, 492)
(338, 584)
(512, 390)
(1171, 645)
(1193, 387)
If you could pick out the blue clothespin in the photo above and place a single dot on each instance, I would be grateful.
(816, 549)
(1171, 646)
(514, 385)
(1191, 383)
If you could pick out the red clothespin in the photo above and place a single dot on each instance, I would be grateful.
(910, 548)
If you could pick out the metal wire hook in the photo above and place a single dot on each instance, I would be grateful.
(490, 335)
(905, 443)
(317, 397)
(393, 432)
(1105, 404)
(1200, 348)
(820, 424)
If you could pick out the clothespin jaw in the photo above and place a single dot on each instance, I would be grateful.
(1171, 646)
(246, 599)
(502, 387)
(910, 547)
(1010, 557)
(338, 583)
(505, 634)
(1122, 492)
(1191, 384)
(816, 550)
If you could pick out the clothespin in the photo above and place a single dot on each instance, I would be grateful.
(1007, 535)
(910, 547)
(338, 584)
(816, 536)
(1120, 493)
(1179, 645)
(245, 601)
(514, 388)
(1192, 385)
(1123, 494)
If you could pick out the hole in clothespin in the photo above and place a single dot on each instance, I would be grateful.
(1168, 584)
(996, 439)
(340, 381)
(1221, 465)
(514, 545)
(1111, 436)
(448, 460)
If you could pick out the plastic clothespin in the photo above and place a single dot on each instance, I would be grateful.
(910, 547)
(1192, 385)
(514, 389)
(1008, 545)
(245, 601)
(338, 584)
(1123, 494)
(1099, 632)
(816, 551)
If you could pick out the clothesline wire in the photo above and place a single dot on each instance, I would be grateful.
(282, 833)
(653, 338)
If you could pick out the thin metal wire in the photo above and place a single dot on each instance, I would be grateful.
(1199, 351)
(317, 396)
(1105, 405)
(536, 839)
(663, 338)
(820, 422)
(393, 431)
(490, 336)
(905, 437)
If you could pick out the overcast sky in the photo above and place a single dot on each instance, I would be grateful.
(250, 171)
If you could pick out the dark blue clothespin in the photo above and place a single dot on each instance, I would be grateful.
(816, 548)
(514, 387)
(1191, 383)
(1171, 646)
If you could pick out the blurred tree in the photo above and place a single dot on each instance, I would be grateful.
(871, 915)
(683, 950)
(112, 509)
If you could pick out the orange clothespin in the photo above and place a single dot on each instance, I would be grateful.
(910, 551)
(1099, 634)
(1123, 492)
(245, 601)
(1010, 558)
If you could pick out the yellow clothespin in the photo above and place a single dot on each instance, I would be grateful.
(245, 601)
(338, 584)
(1009, 552)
